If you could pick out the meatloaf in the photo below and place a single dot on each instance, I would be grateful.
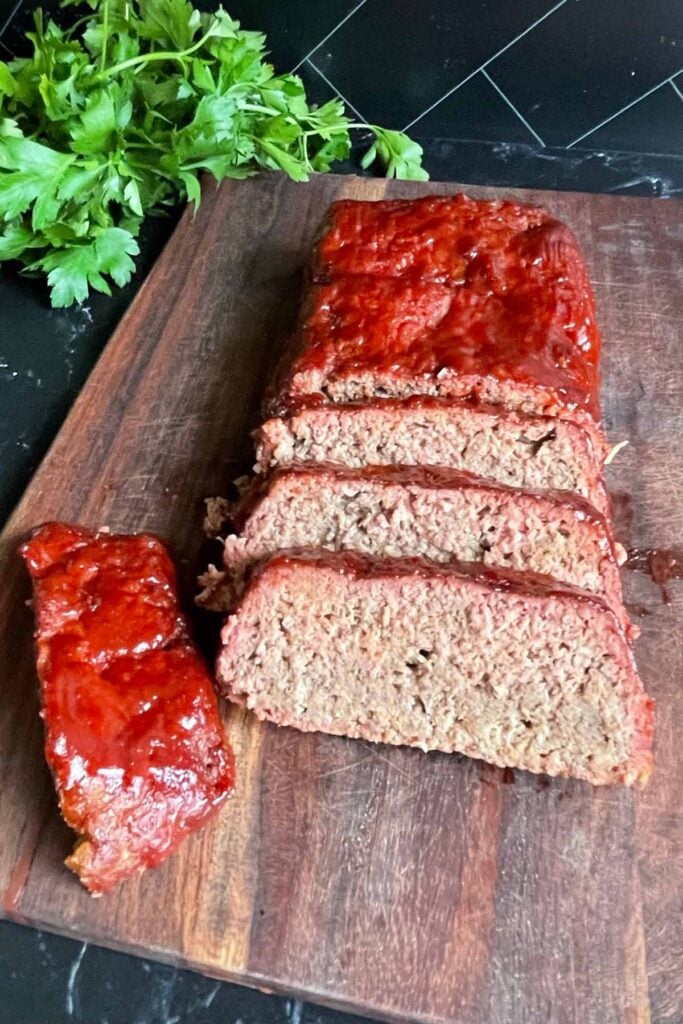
(437, 514)
(517, 327)
(133, 734)
(428, 239)
(526, 452)
(503, 666)
(527, 348)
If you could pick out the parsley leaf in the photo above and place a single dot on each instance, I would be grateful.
(401, 156)
(74, 269)
(119, 116)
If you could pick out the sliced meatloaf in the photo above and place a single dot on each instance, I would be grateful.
(438, 514)
(429, 239)
(504, 666)
(527, 452)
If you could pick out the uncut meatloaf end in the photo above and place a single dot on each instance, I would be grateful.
(364, 338)
(452, 297)
(434, 513)
(501, 666)
(525, 452)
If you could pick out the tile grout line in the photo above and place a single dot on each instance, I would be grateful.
(329, 34)
(675, 88)
(512, 106)
(335, 90)
(624, 109)
(10, 17)
(485, 64)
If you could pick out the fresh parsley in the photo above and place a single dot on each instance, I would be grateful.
(117, 116)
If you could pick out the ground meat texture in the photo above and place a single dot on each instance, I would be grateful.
(525, 452)
(438, 514)
(516, 325)
(496, 665)
(133, 734)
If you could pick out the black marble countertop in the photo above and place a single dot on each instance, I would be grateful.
(45, 357)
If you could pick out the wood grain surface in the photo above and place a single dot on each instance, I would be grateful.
(398, 884)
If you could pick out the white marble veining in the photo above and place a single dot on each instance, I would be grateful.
(71, 985)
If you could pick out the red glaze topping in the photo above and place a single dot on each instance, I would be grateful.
(521, 315)
(431, 239)
(133, 733)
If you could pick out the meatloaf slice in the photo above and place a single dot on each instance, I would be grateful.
(527, 452)
(133, 733)
(438, 514)
(527, 341)
(435, 238)
(498, 665)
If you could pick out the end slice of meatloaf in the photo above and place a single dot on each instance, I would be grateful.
(526, 452)
(437, 514)
(496, 665)
(133, 733)
(434, 238)
(523, 337)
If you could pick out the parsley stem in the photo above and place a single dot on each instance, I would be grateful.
(73, 29)
(256, 108)
(341, 126)
(145, 58)
(105, 33)
(147, 146)
(332, 128)
(141, 165)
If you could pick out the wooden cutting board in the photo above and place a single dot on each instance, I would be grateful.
(398, 884)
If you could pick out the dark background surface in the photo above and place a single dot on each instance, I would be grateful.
(582, 95)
